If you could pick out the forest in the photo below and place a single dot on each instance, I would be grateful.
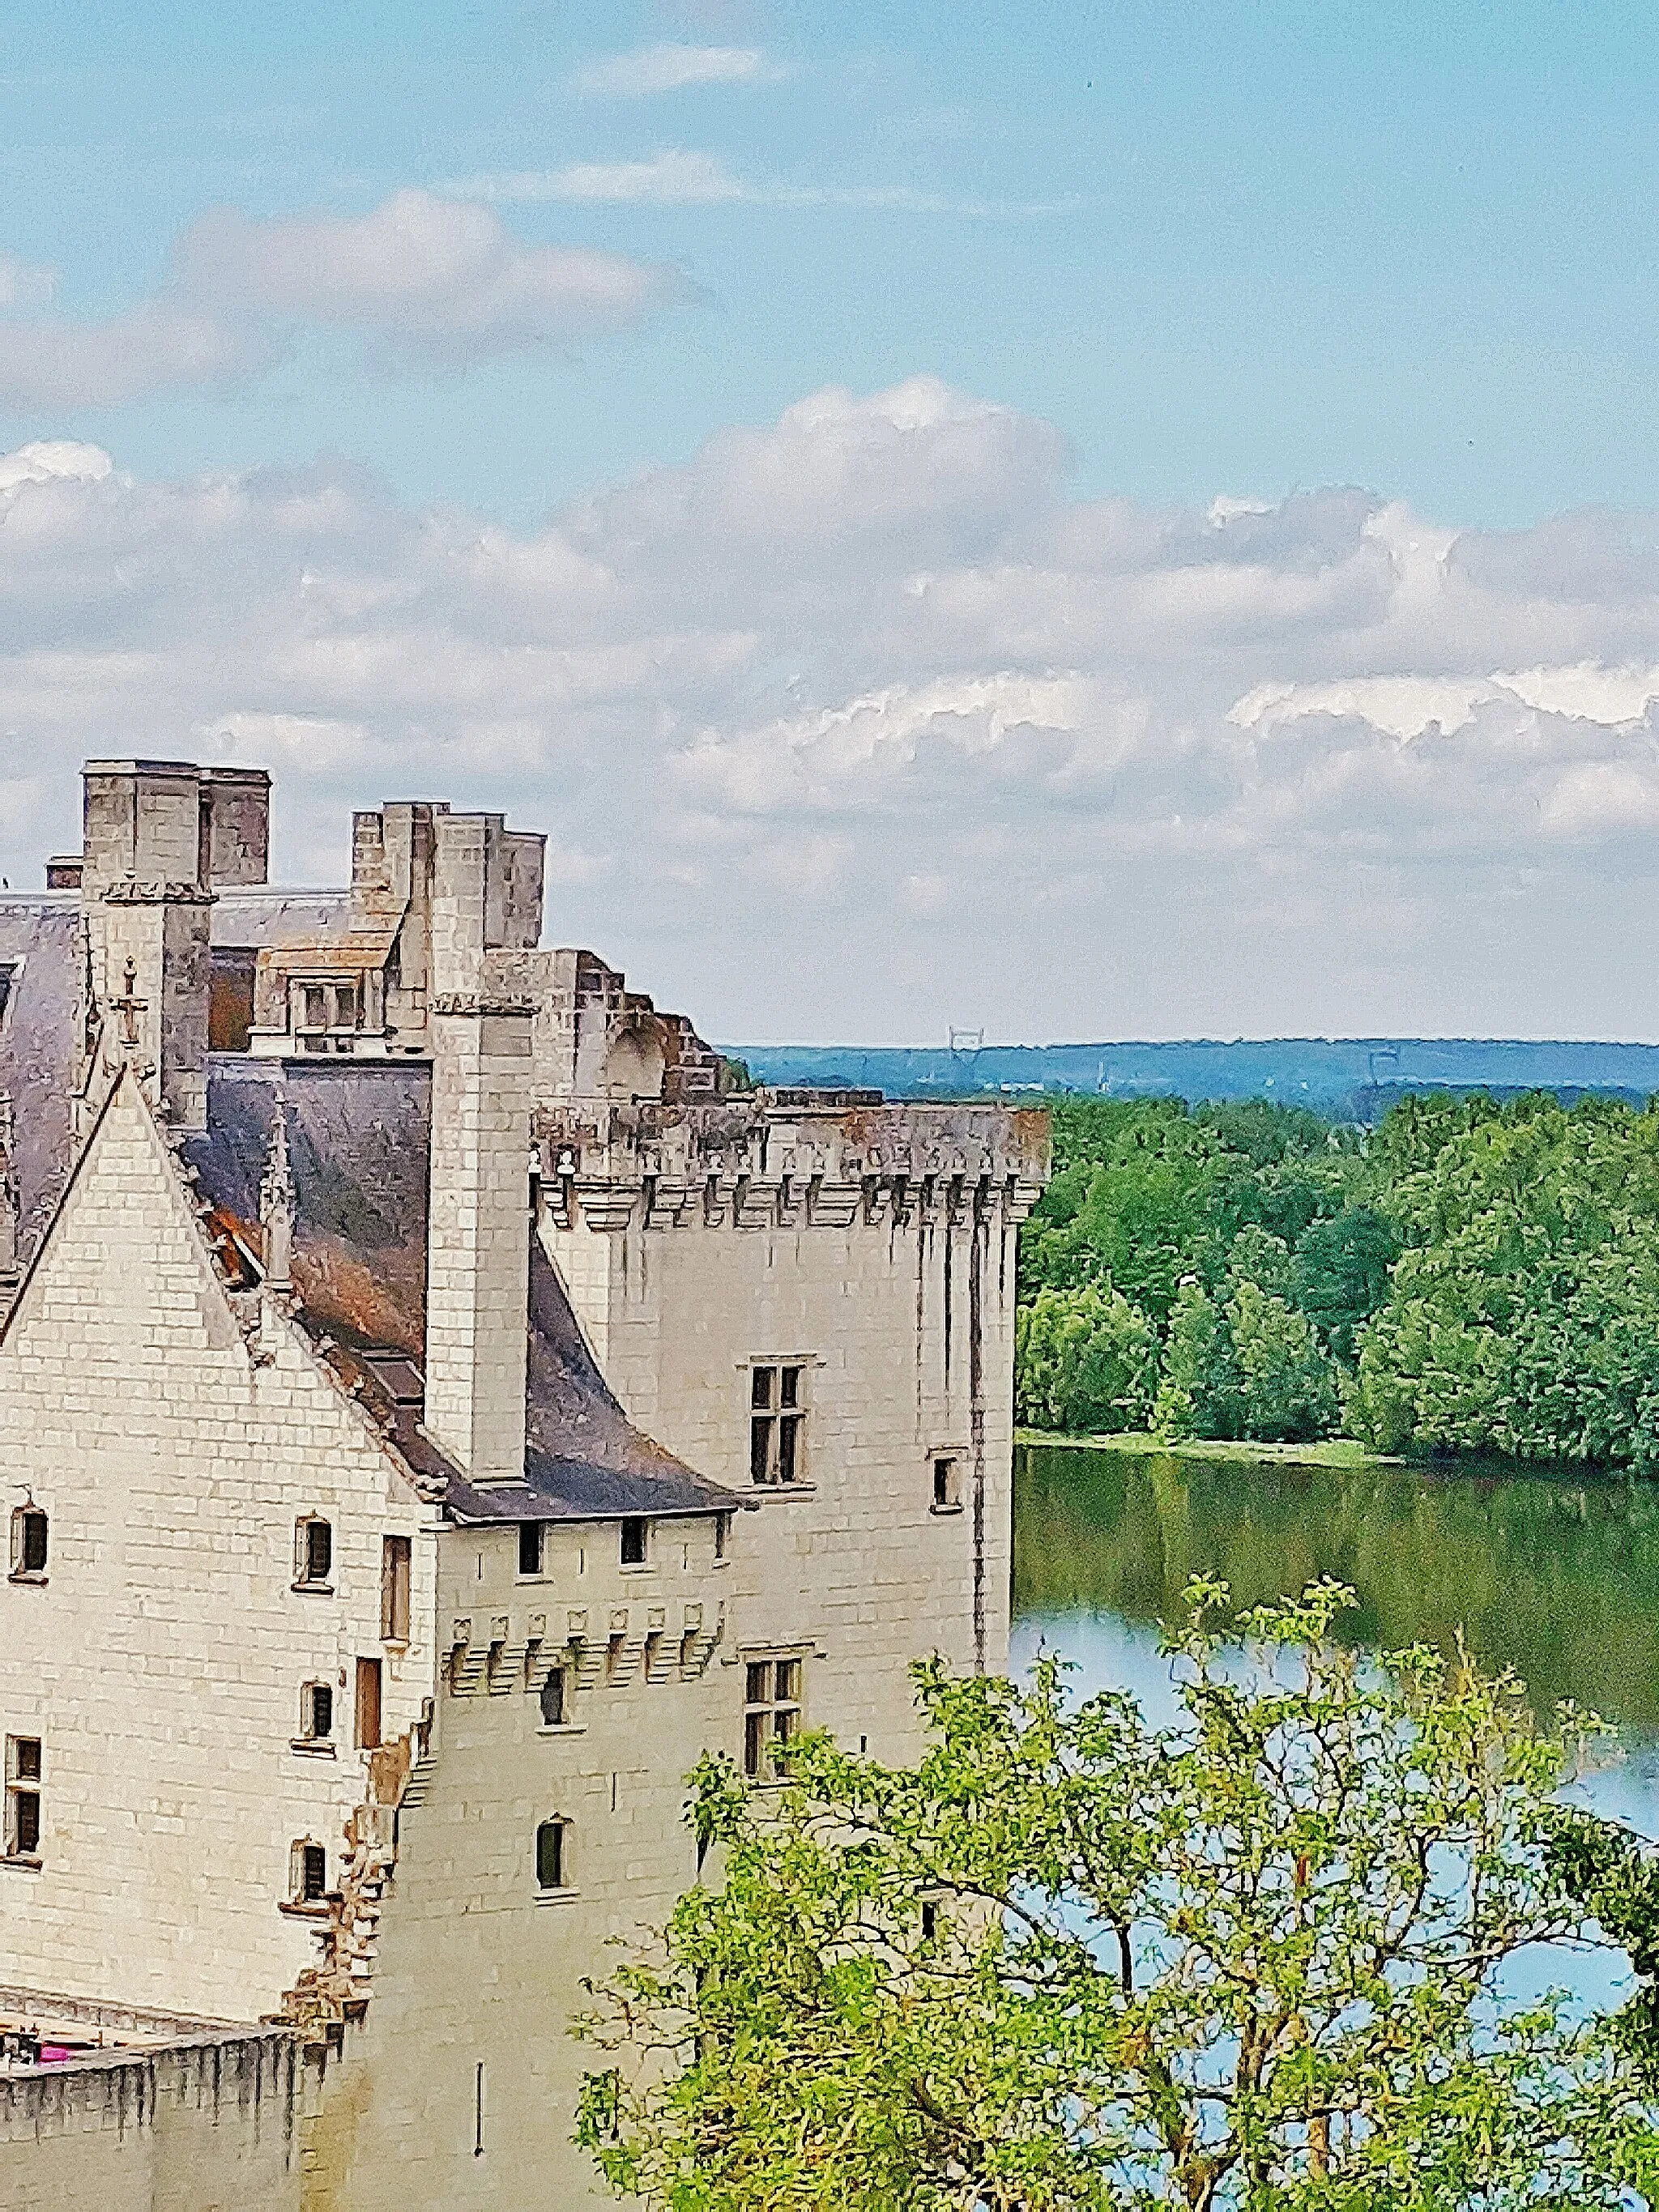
(1466, 1277)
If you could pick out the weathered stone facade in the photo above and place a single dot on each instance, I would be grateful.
(428, 1406)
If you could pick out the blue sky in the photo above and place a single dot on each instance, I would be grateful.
(1246, 248)
(1084, 520)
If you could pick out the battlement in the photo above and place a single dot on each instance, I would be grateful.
(786, 1159)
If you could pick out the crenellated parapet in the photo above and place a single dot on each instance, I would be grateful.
(770, 1159)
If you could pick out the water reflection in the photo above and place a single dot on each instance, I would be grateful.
(1556, 1577)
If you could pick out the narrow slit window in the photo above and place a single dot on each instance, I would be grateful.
(777, 1423)
(395, 1563)
(634, 1543)
(369, 1704)
(29, 1536)
(530, 1547)
(553, 1855)
(23, 1770)
(771, 1712)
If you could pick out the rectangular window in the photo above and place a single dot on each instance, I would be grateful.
(394, 1588)
(23, 1838)
(632, 1543)
(721, 1520)
(530, 1547)
(553, 1700)
(28, 1543)
(311, 1882)
(317, 1712)
(777, 1421)
(313, 1554)
(552, 1856)
(947, 1486)
(771, 1710)
(369, 1704)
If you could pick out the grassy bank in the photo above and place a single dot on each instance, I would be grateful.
(1333, 1451)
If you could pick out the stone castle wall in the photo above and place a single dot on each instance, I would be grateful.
(476, 1968)
(211, 2123)
(160, 1661)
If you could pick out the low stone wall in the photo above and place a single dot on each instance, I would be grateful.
(208, 2123)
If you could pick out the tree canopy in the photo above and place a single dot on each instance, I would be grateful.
(1468, 1278)
(1070, 1959)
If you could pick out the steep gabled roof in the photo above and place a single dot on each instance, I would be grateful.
(359, 1139)
(38, 950)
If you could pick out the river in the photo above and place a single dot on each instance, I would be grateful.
(1555, 1574)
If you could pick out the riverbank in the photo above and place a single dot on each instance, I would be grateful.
(1340, 1452)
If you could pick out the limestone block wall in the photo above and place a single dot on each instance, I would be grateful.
(210, 2123)
(906, 1330)
(160, 1661)
(460, 2088)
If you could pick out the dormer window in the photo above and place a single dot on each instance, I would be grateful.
(29, 1537)
(324, 1013)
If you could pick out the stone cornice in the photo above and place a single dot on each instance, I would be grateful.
(746, 1201)
(130, 891)
(475, 1004)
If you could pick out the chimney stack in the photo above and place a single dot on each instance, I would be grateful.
(478, 1233)
(158, 836)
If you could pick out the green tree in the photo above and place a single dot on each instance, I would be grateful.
(1524, 1312)
(1286, 1383)
(1085, 1362)
(1071, 1961)
(1248, 1366)
(1341, 1273)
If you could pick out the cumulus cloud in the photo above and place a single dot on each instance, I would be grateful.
(649, 70)
(860, 722)
(426, 282)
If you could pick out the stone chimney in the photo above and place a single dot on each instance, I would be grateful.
(146, 892)
(477, 1282)
(236, 802)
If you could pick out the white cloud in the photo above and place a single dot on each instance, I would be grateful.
(857, 723)
(24, 283)
(425, 281)
(668, 179)
(677, 177)
(649, 70)
(49, 458)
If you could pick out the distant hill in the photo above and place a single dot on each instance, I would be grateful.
(1353, 1078)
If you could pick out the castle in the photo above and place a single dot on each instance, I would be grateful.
(435, 1406)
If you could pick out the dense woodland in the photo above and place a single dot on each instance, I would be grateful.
(1466, 1278)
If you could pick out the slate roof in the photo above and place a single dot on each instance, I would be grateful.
(39, 941)
(359, 1143)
